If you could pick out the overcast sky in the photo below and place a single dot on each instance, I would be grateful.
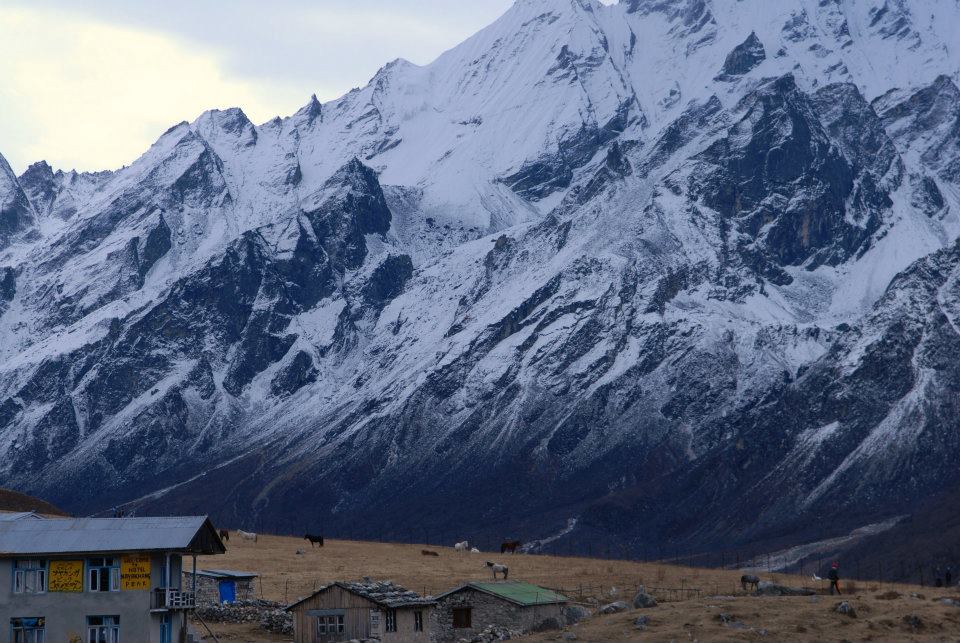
(90, 84)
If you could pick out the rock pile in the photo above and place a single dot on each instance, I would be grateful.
(492, 633)
(269, 615)
(767, 588)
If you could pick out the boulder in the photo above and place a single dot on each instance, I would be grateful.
(642, 599)
(769, 588)
(641, 622)
(548, 624)
(576, 613)
(913, 621)
(845, 608)
(614, 608)
(569, 636)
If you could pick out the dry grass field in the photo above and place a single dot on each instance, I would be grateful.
(682, 616)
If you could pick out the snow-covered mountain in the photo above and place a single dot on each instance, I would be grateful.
(684, 269)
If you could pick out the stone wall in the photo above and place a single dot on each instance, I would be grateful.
(488, 610)
(208, 589)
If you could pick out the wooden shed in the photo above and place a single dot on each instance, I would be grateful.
(362, 610)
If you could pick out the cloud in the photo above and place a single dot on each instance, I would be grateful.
(87, 95)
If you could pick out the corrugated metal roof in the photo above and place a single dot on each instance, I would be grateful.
(19, 515)
(224, 573)
(90, 535)
(517, 592)
(384, 593)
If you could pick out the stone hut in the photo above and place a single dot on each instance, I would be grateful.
(467, 610)
(222, 585)
(363, 610)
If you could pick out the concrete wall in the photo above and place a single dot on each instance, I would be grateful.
(66, 612)
(488, 610)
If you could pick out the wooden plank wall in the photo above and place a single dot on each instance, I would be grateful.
(356, 618)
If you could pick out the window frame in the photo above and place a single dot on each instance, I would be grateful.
(331, 624)
(468, 611)
(20, 575)
(37, 634)
(390, 621)
(113, 577)
(109, 625)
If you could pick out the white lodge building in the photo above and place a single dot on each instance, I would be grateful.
(99, 580)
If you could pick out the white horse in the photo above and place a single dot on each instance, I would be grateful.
(246, 535)
(464, 546)
(498, 569)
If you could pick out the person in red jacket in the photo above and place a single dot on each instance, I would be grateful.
(834, 577)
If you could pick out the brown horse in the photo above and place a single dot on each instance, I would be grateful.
(224, 534)
(510, 546)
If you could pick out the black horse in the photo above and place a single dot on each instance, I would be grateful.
(510, 546)
(314, 540)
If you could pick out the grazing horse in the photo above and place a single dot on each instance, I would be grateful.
(314, 540)
(498, 569)
(224, 534)
(749, 579)
(464, 546)
(510, 546)
(246, 535)
(428, 552)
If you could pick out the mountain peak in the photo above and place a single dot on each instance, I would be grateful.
(311, 111)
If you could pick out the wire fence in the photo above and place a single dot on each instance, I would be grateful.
(932, 569)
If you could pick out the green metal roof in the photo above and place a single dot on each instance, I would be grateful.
(515, 591)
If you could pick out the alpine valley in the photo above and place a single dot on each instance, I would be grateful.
(679, 272)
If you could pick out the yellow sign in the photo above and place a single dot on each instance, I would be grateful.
(65, 576)
(135, 572)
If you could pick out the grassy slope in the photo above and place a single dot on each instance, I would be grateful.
(15, 501)
(286, 576)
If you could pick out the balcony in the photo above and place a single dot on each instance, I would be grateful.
(172, 599)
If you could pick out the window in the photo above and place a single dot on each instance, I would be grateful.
(29, 577)
(103, 574)
(391, 621)
(418, 621)
(330, 624)
(462, 618)
(27, 630)
(103, 629)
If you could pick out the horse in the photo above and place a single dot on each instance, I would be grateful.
(510, 546)
(246, 535)
(464, 546)
(318, 540)
(428, 552)
(224, 534)
(498, 569)
(749, 579)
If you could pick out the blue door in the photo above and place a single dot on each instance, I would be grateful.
(228, 591)
(166, 629)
